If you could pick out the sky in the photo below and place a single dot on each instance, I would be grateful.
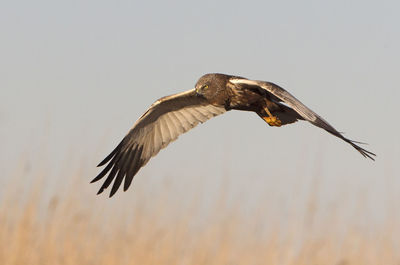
(75, 76)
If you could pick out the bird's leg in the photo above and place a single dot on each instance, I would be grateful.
(271, 119)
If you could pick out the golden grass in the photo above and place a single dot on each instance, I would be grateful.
(73, 226)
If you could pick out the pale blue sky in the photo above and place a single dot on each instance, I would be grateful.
(75, 75)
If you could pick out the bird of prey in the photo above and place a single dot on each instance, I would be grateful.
(213, 94)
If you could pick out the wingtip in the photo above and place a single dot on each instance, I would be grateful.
(100, 191)
(370, 156)
(365, 153)
(111, 155)
(102, 163)
(111, 193)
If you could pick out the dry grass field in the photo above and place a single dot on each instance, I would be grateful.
(40, 224)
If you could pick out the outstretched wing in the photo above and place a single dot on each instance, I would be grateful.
(309, 115)
(161, 124)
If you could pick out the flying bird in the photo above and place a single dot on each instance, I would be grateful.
(213, 94)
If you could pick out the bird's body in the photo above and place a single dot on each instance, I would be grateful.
(213, 95)
(237, 96)
(223, 93)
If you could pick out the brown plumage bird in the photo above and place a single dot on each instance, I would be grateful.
(213, 95)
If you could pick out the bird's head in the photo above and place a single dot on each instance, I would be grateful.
(202, 86)
(202, 90)
(209, 85)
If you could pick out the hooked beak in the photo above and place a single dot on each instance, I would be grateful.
(197, 90)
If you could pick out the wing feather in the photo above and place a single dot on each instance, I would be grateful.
(186, 125)
(162, 123)
(190, 118)
(178, 126)
(301, 109)
(157, 138)
(198, 116)
(165, 132)
(133, 166)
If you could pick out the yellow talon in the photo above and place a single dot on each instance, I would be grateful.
(273, 121)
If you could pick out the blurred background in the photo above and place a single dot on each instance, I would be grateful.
(75, 76)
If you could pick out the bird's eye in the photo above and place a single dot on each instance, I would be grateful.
(205, 86)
